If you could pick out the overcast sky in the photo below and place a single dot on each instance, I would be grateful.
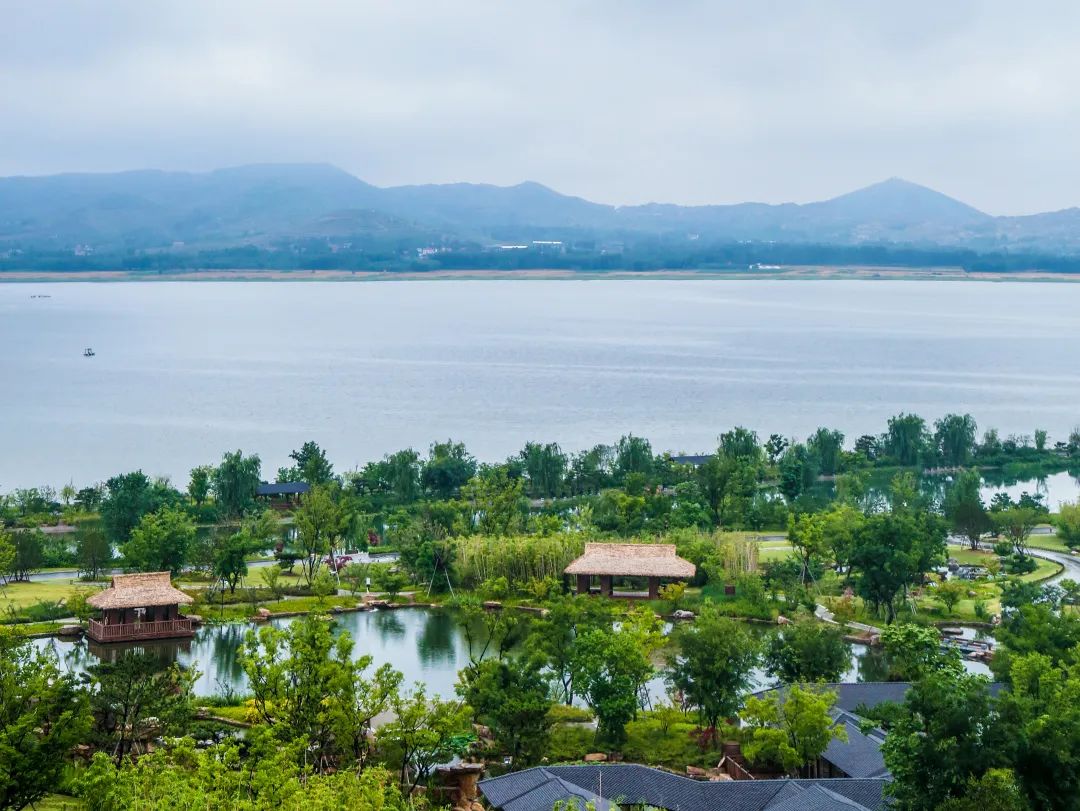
(619, 102)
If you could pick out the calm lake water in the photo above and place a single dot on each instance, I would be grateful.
(184, 371)
(425, 645)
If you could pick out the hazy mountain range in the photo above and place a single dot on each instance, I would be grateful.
(268, 204)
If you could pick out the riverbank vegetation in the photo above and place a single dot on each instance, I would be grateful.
(782, 531)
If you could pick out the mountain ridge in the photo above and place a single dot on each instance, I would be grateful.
(266, 203)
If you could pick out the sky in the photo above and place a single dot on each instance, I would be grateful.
(618, 101)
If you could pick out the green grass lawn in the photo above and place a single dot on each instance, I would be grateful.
(20, 595)
(58, 802)
(1051, 543)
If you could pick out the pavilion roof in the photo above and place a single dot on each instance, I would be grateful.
(139, 591)
(632, 560)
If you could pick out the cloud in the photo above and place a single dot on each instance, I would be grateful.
(620, 102)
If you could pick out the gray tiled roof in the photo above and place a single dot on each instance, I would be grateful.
(282, 489)
(860, 754)
(538, 790)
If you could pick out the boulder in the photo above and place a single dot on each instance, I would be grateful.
(595, 757)
(683, 614)
(782, 620)
(263, 612)
(195, 619)
(492, 605)
(70, 630)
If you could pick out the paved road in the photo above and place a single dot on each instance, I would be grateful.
(1071, 564)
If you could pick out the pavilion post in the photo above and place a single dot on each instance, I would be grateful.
(583, 583)
(605, 585)
(654, 588)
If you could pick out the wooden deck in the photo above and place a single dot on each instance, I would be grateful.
(131, 631)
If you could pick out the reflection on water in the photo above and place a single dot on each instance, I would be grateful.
(425, 645)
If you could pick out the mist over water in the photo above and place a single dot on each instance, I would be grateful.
(184, 371)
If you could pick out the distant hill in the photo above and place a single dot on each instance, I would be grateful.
(270, 204)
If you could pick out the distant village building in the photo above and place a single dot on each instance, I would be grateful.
(651, 562)
(139, 606)
(282, 495)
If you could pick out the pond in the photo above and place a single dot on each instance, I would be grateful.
(424, 644)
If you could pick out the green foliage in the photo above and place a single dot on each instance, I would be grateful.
(790, 728)
(92, 550)
(135, 698)
(200, 483)
(160, 542)
(320, 522)
(498, 502)
(217, 779)
(713, 665)
(307, 687)
(545, 468)
(520, 559)
(996, 790)
(1068, 524)
(611, 668)
(424, 732)
(807, 652)
(914, 651)
(1016, 524)
(512, 699)
(130, 496)
(309, 465)
(949, 593)
(42, 716)
(235, 481)
(942, 741)
(964, 507)
(449, 465)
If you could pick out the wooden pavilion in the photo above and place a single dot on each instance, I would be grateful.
(139, 606)
(653, 562)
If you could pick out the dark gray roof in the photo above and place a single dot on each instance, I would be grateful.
(282, 489)
(692, 459)
(860, 754)
(538, 790)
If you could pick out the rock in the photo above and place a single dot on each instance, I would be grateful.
(595, 757)
(492, 605)
(195, 619)
(263, 612)
(683, 614)
(696, 772)
(70, 630)
(782, 620)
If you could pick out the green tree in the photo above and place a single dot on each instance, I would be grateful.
(307, 687)
(633, 454)
(92, 550)
(1068, 524)
(807, 652)
(906, 439)
(424, 732)
(319, 522)
(611, 668)
(134, 699)
(199, 484)
(498, 501)
(512, 699)
(965, 510)
(892, 552)
(545, 469)
(914, 651)
(713, 665)
(43, 715)
(29, 554)
(806, 533)
(827, 447)
(1016, 524)
(449, 465)
(7, 556)
(160, 542)
(235, 481)
(230, 559)
(310, 465)
(790, 728)
(996, 790)
(128, 498)
(941, 740)
(740, 443)
(954, 435)
(950, 593)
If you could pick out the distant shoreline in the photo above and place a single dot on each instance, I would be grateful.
(792, 273)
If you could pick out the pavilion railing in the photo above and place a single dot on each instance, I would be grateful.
(138, 630)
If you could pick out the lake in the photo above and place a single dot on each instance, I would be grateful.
(425, 645)
(184, 371)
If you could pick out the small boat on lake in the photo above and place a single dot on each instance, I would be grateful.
(88, 352)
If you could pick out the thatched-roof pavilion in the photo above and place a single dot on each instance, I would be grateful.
(608, 560)
(139, 606)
